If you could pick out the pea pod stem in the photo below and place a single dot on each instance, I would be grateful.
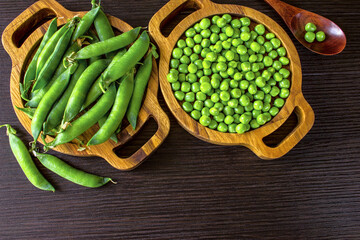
(25, 161)
(118, 110)
(30, 73)
(70, 173)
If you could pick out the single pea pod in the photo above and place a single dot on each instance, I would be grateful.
(95, 90)
(30, 73)
(79, 93)
(117, 69)
(87, 120)
(48, 101)
(50, 66)
(85, 23)
(28, 111)
(118, 110)
(102, 121)
(94, 39)
(56, 114)
(49, 48)
(70, 173)
(141, 80)
(25, 161)
(108, 45)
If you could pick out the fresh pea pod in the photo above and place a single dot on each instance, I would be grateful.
(49, 48)
(141, 79)
(101, 123)
(118, 110)
(55, 116)
(85, 23)
(95, 90)
(50, 66)
(118, 68)
(78, 95)
(39, 94)
(108, 45)
(84, 122)
(28, 111)
(25, 161)
(94, 39)
(48, 101)
(30, 73)
(70, 173)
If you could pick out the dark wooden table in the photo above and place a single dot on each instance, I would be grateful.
(190, 189)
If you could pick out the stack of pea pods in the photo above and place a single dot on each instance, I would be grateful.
(80, 76)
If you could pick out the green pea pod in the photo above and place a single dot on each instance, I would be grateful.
(25, 161)
(141, 79)
(108, 45)
(30, 73)
(48, 101)
(28, 111)
(94, 39)
(118, 110)
(102, 121)
(85, 23)
(87, 120)
(70, 173)
(78, 95)
(50, 66)
(56, 114)
(49, 48)
(104, 29)
(95, 90)
(118, 68)
(39, 94)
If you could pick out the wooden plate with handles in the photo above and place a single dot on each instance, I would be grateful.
(254, 138)
(21, 53)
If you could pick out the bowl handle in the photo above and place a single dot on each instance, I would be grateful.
(166, 13)
(21, 26)
(306, 118)
(149, 147)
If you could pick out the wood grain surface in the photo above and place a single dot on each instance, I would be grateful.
(190, 189)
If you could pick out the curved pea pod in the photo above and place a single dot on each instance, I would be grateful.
(102, 121)
(48, 101)
(117, 69)
(118, 110)
(81, 89)
(87, 120)
(141, 79)
(28, 111)
(25, 161)
(51, 64)
(85, 23)
(30, 73)
(95, 90)
(108, 45)
(56, 114)
(70, 173)
(49, 48)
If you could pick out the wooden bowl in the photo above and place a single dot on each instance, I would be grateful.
(21, 53)
(254, 138)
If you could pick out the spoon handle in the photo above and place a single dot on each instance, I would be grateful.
(286, 11)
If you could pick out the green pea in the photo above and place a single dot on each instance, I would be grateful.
(258, 105)
(320, 36)
(245, 29)
(197, 27)
(204, 79)
(215, 83)
(181, 43)
(214, 19)
(271, 82)
(222, 127)
(268, 61)
(254, 35)
(205, 120)
(227, 17)
(284, 60)
(229, 120)
(284, 84)
(244, 100)
(215, 97)
(284, 72)
(259, 95)
(245, 36)
(172, 77)
(279, 102)
(244, 84)
(235, 23)
(278, 77)
(267, 98)
(198, 105)
(183, 68)
(249, 76)
(274, 91)
(266, 107)
(260, 40)
(260, 82)
(254, 124)
(229, 31)
(255, 47)
(187, 51)
(213, 124)
(245, 118)
(205, 112)
(310, 27)
(205, 23)
(214, 29)
(309, 37)
(204, 51)
(205, 87)
(190, 32)
(268, 47)
(190, 97)
(224, 85)
(281, 51)
(275, 42)
(200, 73)
(261, 119)
(207, 72)
(269, 36)
(179, 95)
(284, 93)
(219, 118)
(175, 86)
(192, 68)
(244, 58)
(191, 77)
(274, 111)
(195, 114)
(255, 113)
(259, 59)
(229, 55)
(266, 88)
(187, 106)
(249, 108)
(177, 53)
(182, 77)
(174, 63)
(185, 59)
(219, 106)
(245, 21)
(224, 96)
(205, 33)
(221, 22)
(255, 67)
(241, 128)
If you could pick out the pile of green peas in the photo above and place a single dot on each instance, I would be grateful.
(230, 74)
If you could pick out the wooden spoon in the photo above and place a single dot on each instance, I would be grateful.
(296, 19)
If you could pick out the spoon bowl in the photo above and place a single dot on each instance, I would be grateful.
(296, 19)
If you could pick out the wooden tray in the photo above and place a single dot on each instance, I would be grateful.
(21, 53)
(252, 139)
